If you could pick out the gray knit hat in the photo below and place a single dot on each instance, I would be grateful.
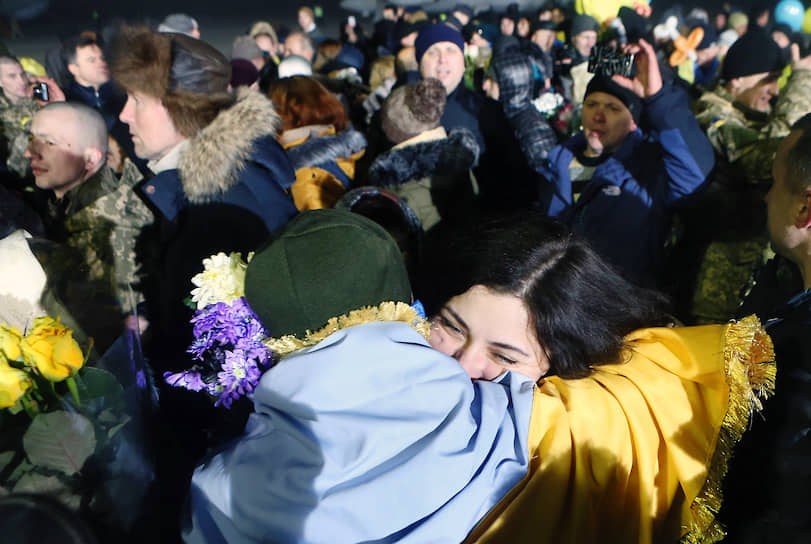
(412, 109)
(244, 47)
(178, 22)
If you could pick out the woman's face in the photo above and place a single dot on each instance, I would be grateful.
(489, 333)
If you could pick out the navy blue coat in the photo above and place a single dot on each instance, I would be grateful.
(625, 209)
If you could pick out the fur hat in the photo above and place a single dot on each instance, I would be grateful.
(323, 264)
(189, 76)
(435, 33)
(412, 109)
(263, 27)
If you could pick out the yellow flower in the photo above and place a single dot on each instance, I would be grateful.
(51, 349)
(10, 341)
(13, 384)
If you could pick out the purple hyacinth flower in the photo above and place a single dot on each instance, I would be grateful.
(188, 379)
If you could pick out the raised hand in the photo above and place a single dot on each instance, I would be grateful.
(648, 80)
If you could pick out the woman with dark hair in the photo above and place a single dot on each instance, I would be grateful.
(320, 143)
(579, 308)
(631, 426)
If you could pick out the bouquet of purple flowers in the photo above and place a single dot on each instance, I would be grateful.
(228, 337)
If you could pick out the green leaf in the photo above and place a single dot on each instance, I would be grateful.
(95, 383)
(22, 469)
(114, 430)
(5, 459)
(60, 440)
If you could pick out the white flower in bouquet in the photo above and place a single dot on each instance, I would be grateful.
(548, 103)
(222, 280)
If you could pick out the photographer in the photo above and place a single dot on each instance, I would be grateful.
(18, 103)
(616, 183)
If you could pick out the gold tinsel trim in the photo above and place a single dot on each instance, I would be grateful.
(750, 372)
(386, 311)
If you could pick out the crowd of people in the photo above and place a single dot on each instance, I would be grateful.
(590, 205)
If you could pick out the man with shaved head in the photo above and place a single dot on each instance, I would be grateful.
(91, 210)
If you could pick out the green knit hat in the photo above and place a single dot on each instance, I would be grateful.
(323, 263)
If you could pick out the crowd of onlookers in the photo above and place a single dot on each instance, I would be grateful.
(131, 153)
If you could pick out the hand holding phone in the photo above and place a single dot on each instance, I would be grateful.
(41, 91)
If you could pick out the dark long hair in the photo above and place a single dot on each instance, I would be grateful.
(580, 307)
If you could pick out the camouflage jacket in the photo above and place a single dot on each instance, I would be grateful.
(748, 138)
(103, 219)
(725, 240)
(15, 119)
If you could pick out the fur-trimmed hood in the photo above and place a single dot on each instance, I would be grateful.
(212, 162)
(323, 149)
(448, 156)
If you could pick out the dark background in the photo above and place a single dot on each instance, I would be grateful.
(220, 20)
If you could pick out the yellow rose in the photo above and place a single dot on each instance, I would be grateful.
(13, 384)
(50, 347)
(10, 342)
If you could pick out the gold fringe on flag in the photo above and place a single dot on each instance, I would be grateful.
(750, 372)
(385, 311)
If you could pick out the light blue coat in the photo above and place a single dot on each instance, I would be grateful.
(369, 436)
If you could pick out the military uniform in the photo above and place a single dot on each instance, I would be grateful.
(102, 219)
(15, 119)
(725, 239)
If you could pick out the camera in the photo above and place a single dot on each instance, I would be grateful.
(41, 91)
(607, 62)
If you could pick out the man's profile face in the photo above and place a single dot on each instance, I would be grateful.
(606, 123)
(446, 62)
(53, 149)
(782, 203)
(757, 90)
(89, 69)
(13, 81)
(153, 132)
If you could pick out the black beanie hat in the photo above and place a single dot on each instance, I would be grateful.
(753, 53)
(632, 101)
(435, 33)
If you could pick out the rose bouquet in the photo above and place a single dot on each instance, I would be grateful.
(59, 419)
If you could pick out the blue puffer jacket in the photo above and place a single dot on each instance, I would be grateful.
(625, 209)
